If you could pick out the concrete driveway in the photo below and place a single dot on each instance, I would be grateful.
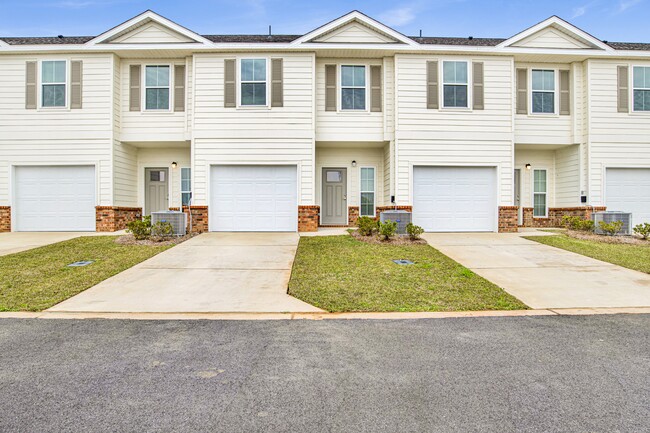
(15, 242)
(542, 276)
(213, 272)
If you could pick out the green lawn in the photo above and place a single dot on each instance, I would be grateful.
(340, 273)
(635, 257)
(37, 279)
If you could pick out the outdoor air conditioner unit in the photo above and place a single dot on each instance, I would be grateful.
(177, 219)
(611, 216)
(401, 217)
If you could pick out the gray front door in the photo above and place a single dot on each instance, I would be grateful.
(156, 190)
(517, 197)
(334, 206)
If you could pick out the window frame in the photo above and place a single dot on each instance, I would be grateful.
(340, 88)
(540, 193)
(633, 88)
(181, 185)
(170, 87)
(267, 82)
(374, 192)
(555, 92)
(441, 74)
(39, 80)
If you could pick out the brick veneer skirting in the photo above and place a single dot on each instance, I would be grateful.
(508, 219)
(199, 217)
(556, 214)
(114, 218)
(5, 219)
(353, 215)
(308, 218)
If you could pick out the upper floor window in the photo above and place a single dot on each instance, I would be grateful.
(543, 90)
(353, 87)
(455, 84)
(53, 82)
(157, 83)
(253, 82)
(641, 84)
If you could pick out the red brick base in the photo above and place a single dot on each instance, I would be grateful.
(508, 219)
(5, 219)
(114, 218)
(555, 215)
(353, 215)
(308, 218)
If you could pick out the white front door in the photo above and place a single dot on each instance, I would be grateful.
(253, 198)
(55, 198)
(455, 199)
(628, 190)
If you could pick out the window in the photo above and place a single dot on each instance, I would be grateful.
(157, 87)
(543, 87)
(455, 84)
(641, 86)
(353, 87)
(253, 82)
(53, 81)
(186, 185)
(367, 191)
(539, 193)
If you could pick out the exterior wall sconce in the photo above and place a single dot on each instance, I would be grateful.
(528, 166)
(354, 163)
(174, 164)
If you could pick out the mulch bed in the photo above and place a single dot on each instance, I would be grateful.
(587, 236)
(397, 240)
(130, 240)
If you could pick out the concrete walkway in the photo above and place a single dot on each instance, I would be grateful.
(542, 276)
(213, 272)
(15, 242)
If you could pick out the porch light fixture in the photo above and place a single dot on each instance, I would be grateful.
(528, 166)
(354, 163)
(174, 164)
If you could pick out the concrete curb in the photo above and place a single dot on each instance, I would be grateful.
(323, 316)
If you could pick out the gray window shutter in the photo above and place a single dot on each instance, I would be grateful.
(478, 97)
(375, 88)
(522, 91)
(330, 87)
(432, 84)
(565, 93)
(277, 85)
(229, 84)
(179, 88)
(30, 86)
(134, 87)
(76, 84)
(623, 90)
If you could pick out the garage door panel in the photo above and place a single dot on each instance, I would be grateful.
(454, 198)
(628, 190)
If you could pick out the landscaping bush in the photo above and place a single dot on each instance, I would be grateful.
(161, 231)
(577, 223)
(387, 230)
(414, 231)
(643, 230)
(611, 228)
(140, 229)
(366, 225)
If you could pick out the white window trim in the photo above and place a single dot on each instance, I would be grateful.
(441, 74)
(632, 89)
(266, 81)
(340, 86)
(145, 87)
(39, 81)
(556, 80)
(533, 193)
(180, 172)
(374, 183)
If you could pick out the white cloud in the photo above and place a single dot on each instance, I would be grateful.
(624, 5)
(579, 11)
(398, 16)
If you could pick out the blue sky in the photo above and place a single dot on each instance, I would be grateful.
(613, 20)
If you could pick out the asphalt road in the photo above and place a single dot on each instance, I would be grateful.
(525, 374)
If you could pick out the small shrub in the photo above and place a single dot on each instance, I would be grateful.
(366, 225)
(577, 223)
(140, 229)
(643, 230)
(161, 231)
(611, 228)
(387, 230)
(414, 231)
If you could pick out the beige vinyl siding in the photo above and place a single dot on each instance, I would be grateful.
(616, 139)
(387, 174)
(389, 97)
(259, 135)
(538, 159)
(151, 34)
(345, 125)
(161, 158)
(551, 38)
(125, 179)
(57, 136)
(137, 126)
(355, 33)
(567, 182)
(454, 136)
(342, 157)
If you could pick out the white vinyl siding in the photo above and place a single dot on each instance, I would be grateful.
(53, 83)
(157, 95)
(367, 188)
(543, 91)
(253, 82)
(540, 190)
(641, 88)
(186, 185)
(455, 83)
(353, 87)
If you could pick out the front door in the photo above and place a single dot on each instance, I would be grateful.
(156, 190)
(334, 206)
(517, 197)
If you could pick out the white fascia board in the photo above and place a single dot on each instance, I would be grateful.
(3, 44)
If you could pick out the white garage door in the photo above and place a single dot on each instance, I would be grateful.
(455, 199)
(55, 198)
(628, 190)
(253, 198)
